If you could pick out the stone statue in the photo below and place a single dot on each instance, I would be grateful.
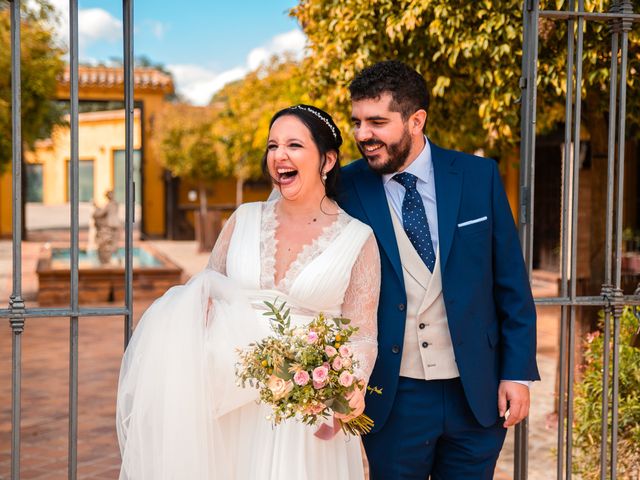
(107, 223)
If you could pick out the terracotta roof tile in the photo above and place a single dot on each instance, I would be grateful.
(114, 77)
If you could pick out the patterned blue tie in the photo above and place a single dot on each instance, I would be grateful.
(414, 219)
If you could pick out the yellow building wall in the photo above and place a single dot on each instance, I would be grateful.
(153, 192)
(6, 213)
(100, 134)
(153, 186)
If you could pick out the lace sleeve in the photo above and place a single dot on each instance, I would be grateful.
(361, 306)
(218, 257)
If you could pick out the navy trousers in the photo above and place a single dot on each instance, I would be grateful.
(432, 433)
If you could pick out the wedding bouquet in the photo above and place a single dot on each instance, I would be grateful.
(305, 372)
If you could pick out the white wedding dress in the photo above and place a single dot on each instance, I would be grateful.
(180, 414)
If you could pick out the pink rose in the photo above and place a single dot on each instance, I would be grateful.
(345, 379)
(279, 388)
(345, 351)
(301, 378)
(346, 363)
(312, 337)
(314, 408)
(337, 363)
(320, 374)
(319, 385)
(330, 351)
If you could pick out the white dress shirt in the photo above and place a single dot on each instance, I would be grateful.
(421, 167)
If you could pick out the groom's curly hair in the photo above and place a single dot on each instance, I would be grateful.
(407, 87)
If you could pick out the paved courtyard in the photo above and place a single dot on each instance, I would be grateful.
(45, 380)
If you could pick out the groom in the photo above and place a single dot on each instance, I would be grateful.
(456, 320)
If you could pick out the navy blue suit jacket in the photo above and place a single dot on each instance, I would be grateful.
(490, 309)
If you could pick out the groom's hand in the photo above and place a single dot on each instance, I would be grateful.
(514, 398)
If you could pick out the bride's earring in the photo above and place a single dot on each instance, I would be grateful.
(324, 177)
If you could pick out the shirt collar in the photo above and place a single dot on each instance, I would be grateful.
(420, 167)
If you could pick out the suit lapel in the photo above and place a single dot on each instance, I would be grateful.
(448, 180)
(374, 201)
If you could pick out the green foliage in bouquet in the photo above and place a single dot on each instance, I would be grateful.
(306, 372)
(588, 405)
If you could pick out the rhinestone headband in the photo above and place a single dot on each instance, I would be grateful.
(321, 117)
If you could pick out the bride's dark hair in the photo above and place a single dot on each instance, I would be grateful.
(326, 135)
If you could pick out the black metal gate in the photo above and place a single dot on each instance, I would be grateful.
(18, 312)
(620, 19)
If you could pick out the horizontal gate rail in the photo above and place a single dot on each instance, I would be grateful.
(596, 17)
(630, 300)
(65, 312)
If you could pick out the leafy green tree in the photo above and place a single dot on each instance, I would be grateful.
(470, 53)
(42, 64)
(190, 149)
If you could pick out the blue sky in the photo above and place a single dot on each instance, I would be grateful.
(203, 43)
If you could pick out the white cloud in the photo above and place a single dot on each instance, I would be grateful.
(94, 25)
(292, 42)
(197, 84)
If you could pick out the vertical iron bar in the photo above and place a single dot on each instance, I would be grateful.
(564, 353)
(521, 460)
(626, 6)
(127, 6)
(16, 381)
(574, 235)
(570, 377)
(626, 26)
(16, 303)
(528, 124)
(617, 311)
(527, 173)
(16, 146)
(74, 199)
(611, 152)
(525, 136)
(566, 202)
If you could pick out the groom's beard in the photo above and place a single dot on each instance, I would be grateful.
(397, 154)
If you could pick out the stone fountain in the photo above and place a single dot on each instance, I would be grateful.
(107, 229)
(101, 268)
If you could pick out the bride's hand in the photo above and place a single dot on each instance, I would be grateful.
(356, 402)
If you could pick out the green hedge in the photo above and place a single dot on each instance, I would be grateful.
(588, 405)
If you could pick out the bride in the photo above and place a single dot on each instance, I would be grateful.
(180, 413)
